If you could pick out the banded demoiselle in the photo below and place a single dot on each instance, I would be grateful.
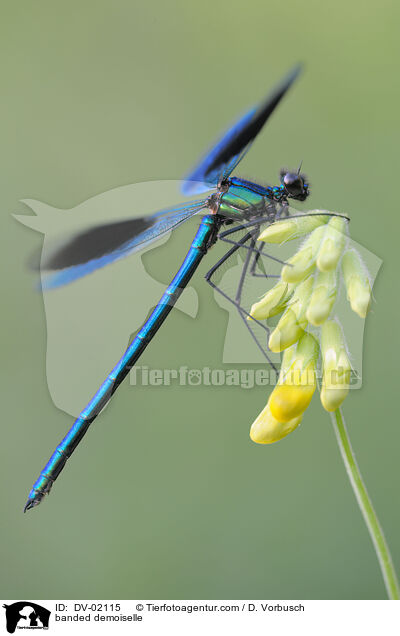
(243, 205)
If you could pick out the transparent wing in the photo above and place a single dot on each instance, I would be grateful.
(225, 155)
(100, 245)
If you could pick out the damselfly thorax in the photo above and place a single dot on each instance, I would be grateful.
(237, 199)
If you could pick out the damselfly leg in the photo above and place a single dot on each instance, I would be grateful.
(251, 257)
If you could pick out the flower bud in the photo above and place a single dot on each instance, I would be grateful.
(336, 366)
(301, 264)
(322, 298)
(357, 284)
(292, 228)
(274, 302)
(297, 382)
(266, 429)
(293, 321)
(332, 245)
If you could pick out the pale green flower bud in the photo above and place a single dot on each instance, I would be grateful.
(302, 263)
(293, 322)
(357, 283)
(292, 228)
(336, 366)
(273, 303)
(286, 362)
(322, 298)
(332, 244)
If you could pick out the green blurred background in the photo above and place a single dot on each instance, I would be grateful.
(168, 498)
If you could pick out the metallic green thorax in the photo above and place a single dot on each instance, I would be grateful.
(239, 202)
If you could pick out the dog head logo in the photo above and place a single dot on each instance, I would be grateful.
(26, 615)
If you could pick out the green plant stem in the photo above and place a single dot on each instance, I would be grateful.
(368, 512)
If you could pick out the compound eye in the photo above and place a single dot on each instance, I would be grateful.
(293, 183)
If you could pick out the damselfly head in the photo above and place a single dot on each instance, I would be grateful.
(295, 185)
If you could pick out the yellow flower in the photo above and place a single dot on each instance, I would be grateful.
(293, 322)
(357, 283)
(336, 366)
(322, 298)
(267, 430)
(297, 382)
(273, 302)
(301, 265)
(333, 244)
(306, 296)
(289, 229)
(292, 395)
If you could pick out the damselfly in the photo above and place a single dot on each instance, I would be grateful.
(241, 205)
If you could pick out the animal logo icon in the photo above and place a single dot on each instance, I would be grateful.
(25, 615)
